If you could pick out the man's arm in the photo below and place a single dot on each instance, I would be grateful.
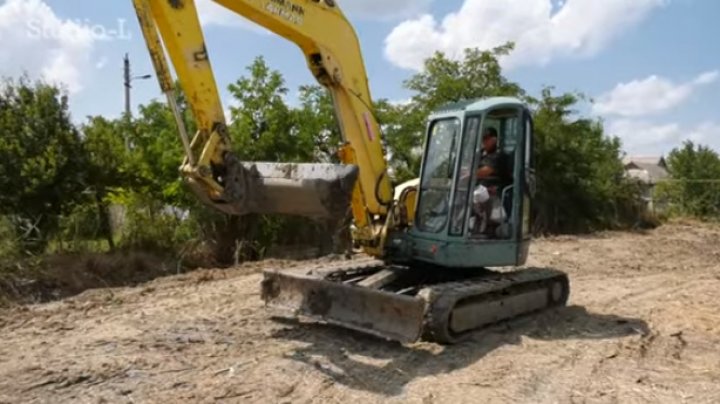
(489, 166)
(485, 172)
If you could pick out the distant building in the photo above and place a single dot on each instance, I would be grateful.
(649, 171)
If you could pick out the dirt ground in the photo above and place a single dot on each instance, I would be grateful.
(643, 325)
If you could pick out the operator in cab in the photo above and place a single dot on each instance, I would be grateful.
(489, 168)
(489, 176)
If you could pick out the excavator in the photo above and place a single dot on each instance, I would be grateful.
(439, 260)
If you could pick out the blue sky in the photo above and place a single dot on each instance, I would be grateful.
(651, 65)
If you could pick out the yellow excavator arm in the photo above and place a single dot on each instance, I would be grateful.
(333, 55)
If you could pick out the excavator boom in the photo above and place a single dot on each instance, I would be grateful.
(214, 171)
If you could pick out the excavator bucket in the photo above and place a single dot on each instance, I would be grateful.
(318, 191)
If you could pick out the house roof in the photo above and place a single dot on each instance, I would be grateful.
(650, 170)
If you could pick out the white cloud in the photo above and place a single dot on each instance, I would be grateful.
(228, 107)
(401, 102)
(707, 78)
(541, 29)
(649, 96)
(37, 42)
(647, 138)
(212, 13)
(102, 63)
(707, 133)
(384, 9)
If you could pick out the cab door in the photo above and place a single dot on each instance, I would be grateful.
(526, 187)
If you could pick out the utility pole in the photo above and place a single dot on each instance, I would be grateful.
(127, 82)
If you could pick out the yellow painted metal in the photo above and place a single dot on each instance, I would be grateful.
(331, 47)
(162, 23)
(362, 220)
(333, 54)
(147, 24)
(179, 27)
(406, 195)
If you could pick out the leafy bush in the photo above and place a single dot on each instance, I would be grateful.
(80, 231)
(41, 159)
(9, 246)
(150, 225)
(581, 181)
(694, 187)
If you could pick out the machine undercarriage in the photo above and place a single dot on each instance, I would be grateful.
(409, 304)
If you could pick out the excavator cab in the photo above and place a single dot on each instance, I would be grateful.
(462, 220)
(435, 280)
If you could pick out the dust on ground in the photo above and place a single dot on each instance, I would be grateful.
(642, 325)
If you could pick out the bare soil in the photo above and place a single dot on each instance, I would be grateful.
(643, 325)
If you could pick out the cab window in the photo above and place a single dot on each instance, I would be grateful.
(437, 177)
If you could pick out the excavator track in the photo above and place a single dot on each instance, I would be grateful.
(457, 309)
(407, 304)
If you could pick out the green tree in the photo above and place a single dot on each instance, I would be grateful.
(403, 133)
(477, 75)
(581, 186)
(263, 126)
(156, 152)
(316, 124)
(695, 186)
(157, 201)
(108, 167)
(41, 163)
